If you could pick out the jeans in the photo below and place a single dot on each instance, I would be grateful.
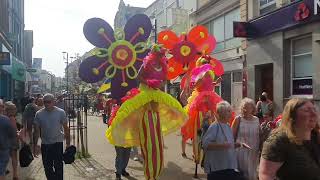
(4, 159)
(52, 159)
(122, 159)
(227, 174)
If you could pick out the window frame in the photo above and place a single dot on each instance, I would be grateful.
(211, 25)
(262, 7)
(292, 78)
(269, 3)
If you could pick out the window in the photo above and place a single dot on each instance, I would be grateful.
(302, 66)
(267, 6)
(237, 76)
(222, 29)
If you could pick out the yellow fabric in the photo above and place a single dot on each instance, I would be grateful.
(104, 87)
(124, 130)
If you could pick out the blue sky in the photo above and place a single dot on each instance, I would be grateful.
(57, 26)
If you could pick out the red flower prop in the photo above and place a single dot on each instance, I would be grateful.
(186, 49)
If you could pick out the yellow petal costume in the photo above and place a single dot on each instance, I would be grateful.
(143, 119)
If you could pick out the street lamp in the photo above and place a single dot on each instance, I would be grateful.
(154, 27)
(66, 57)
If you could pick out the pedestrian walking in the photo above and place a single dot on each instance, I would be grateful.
(246, 129)
(10, 110)
(54, 128)
(219, 149)
(122, 159)
(292, 151)
(7, 140)
(28, 115)
(264, 108)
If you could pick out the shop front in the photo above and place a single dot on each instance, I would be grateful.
(5, 73)
(283, 52)
(18, 76)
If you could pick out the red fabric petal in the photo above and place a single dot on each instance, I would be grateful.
(217, 67)
(174, 68)
(167, 38)
(208, 45)
(198, 35)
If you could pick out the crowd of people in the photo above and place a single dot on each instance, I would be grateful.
(40, 116)
(255, 145)
(252, 148)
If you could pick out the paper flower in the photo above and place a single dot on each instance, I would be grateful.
(186, 49)
(118, 55)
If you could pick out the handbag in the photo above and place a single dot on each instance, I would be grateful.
(25, 156)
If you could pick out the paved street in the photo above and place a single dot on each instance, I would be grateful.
(101, 164)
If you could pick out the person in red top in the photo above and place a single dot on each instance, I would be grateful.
(107, 110)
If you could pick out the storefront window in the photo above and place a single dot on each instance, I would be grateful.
(302, 67)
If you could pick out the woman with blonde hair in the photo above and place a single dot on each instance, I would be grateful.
(246, 129)
(292, 151)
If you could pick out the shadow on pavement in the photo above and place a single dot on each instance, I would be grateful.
(91, 169)
(173, 170)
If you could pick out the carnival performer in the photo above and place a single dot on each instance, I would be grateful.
(202, 101)
(147, 114)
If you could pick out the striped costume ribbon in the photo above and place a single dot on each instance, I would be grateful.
(151, 144)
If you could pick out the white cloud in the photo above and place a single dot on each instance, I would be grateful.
(57, 26)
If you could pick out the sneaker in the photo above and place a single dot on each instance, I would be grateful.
(125, 173)
(118, 176)
(184, 155)
(136, 159)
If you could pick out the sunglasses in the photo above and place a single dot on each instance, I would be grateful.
(47, 102)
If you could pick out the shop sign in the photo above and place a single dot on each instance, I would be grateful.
(295, 14)
(302, 87)
(4, 58)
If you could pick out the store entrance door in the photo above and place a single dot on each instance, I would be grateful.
(264, 80)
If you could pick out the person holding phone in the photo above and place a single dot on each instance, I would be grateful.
(246, 129)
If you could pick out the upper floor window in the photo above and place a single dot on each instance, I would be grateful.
(222, 29)
(267, 6)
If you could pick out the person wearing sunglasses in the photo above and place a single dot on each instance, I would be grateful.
(54, 129)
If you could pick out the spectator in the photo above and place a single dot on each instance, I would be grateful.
(246, 129)
(122, 159)
(24, 101)
(54, 128)
(39, 103)
(7, 141)
(28, 120)
(218, 143)
(10, 110)
(292, 151)
(264, 108)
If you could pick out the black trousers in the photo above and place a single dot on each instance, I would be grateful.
(52, 159)
(227, 174)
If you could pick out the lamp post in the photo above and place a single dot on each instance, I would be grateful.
(66, 57)
(154, 27)
(155, 30)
